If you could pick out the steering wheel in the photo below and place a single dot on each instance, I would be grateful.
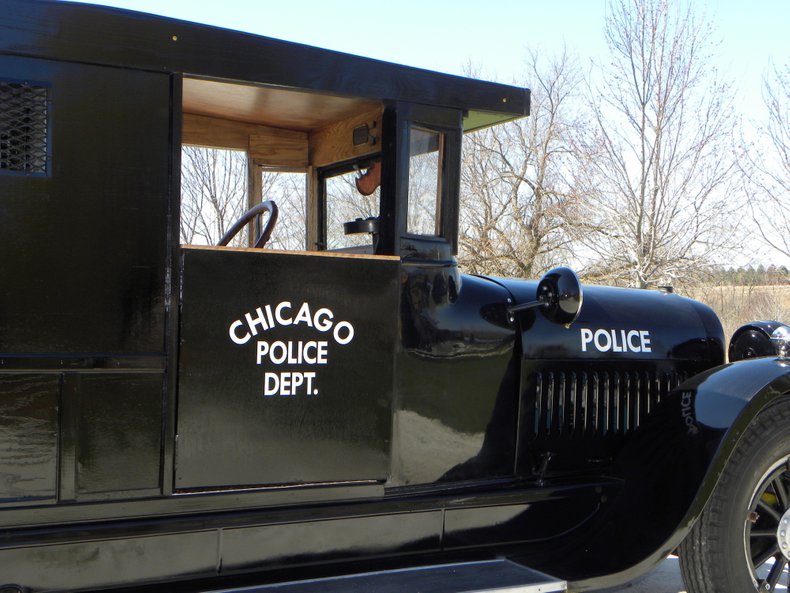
(267, 206)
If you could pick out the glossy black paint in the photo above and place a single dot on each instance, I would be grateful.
(751, 340)
(681, 330)
(281, 545)
(126, 560)
(82, 322)
(102, 35)
(115, 422)
(578, 396)
(669, 467)
(84, 282)
(29, 433)
(454, 417)
(136, 443)
(316, 408)
(519, 524)
(403, 531)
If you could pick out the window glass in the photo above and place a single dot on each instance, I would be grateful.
(345, 203)
(213, 194)
(425, 159)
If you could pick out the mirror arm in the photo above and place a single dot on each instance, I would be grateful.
(544, 301)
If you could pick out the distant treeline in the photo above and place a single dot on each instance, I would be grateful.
(750, 275)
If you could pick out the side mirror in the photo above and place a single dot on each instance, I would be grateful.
(559, 297)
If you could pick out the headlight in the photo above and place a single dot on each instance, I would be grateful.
(781, 341)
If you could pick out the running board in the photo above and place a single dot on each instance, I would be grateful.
(500, 576)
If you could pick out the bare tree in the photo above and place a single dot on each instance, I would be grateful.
(213, 194)
(658, 183)
(289, 191)
(518, 196)
(767, 165)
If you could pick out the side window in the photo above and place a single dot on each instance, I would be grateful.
(351, 196)
(213, 194)
(426, 155)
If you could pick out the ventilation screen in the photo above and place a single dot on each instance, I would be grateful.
(23, 128)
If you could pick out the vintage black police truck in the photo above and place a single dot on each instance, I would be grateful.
(355, 414)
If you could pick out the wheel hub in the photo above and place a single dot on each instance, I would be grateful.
(783, 534)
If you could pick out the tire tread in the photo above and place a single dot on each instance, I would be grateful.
(702, 557)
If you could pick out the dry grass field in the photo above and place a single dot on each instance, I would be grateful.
(737, 305)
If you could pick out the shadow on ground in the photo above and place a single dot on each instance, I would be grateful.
(664, 579)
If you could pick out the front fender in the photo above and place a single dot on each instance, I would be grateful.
(725, 401)
(669, 468)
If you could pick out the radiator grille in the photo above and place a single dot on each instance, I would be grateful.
(597, 402)
(24, 122)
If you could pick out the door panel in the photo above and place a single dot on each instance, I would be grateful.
(285, 368)
(84, 244)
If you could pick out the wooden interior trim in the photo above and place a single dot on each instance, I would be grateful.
(254, 194)
(313, 213)
(214, 132)
(333, 143)
(289, 109)
(279, 148)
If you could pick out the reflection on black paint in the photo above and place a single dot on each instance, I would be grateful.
(456, 374)
(28, 436)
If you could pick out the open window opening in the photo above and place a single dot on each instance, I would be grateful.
(351, 202)
(213, 194)
(304, 151)
(287, 189)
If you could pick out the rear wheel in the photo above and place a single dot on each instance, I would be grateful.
(742, 540)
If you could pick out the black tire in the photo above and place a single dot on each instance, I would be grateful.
(734, 547)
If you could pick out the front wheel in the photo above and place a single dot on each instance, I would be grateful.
(741, 542)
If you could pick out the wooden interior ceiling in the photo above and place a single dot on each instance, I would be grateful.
(276, 107)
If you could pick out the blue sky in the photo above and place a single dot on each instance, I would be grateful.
(494, 35)
(446, 34)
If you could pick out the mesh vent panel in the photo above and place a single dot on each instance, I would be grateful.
(24, 138)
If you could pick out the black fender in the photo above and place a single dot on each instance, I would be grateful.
(725, 401)
(668, 469)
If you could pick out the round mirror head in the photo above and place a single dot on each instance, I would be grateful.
(561, 294)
